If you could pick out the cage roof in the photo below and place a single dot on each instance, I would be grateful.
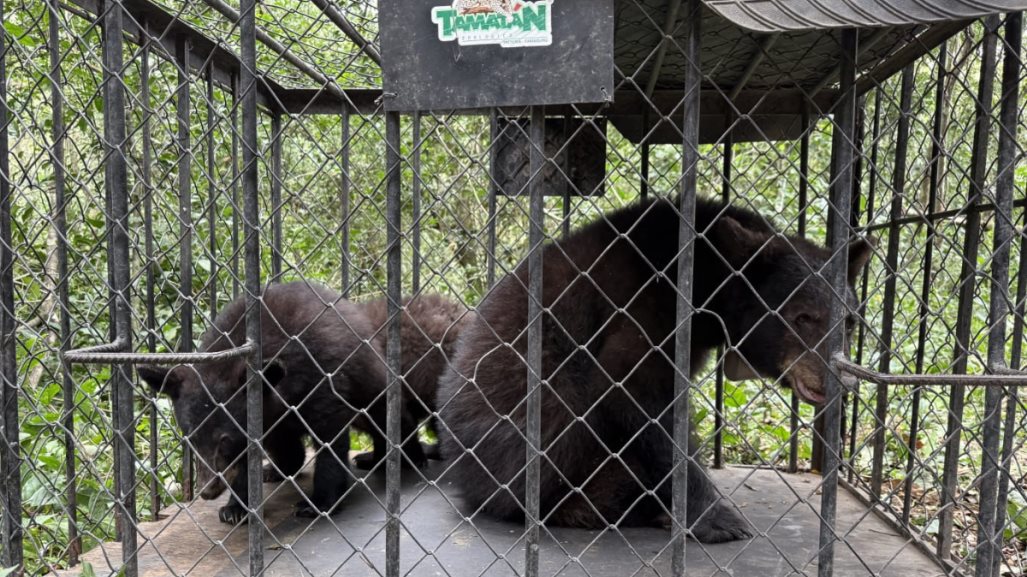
(793, 15)
(767, 64)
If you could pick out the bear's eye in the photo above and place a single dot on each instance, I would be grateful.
(803, 319)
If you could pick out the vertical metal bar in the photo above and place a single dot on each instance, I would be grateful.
(151, 266)
(212, 220)
(493, 191)
(344, 194)
(276, 197)
(185, 224)
(212, 195)
(1016, 351)
(185, 196)
(117, 185)
(725, 197)
(394, 393)
(112, 327)
(967, 284)
(533, 432)
(61, 230)
(838, 233)
(989, 532)
(685, 265)
(807, 128)
(251, 223)
(565, 165)
(416, 208)
(10, 459)
(416, 201)
(892, 260)
(236, 206)
(865, 281)
(928, 265)
(646, 153)
(793, 418)
(817, 460)
(854, 217)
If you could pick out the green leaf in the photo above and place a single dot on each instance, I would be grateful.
(14, 30)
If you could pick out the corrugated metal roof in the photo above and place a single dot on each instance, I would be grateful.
(775, 72)
(794, 15)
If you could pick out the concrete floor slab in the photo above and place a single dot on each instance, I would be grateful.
(438, 541)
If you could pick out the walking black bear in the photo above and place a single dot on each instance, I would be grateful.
(321, 368)
(607, 361)
(429, 329)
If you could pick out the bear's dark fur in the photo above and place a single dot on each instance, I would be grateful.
(321, 368)
(429, 329)
(607, 359)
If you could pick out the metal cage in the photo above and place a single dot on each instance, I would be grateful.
(161, 159)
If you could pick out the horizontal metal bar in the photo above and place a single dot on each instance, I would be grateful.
(115, 347)
(111, 354)
(1002, 378)
(626, 102)
(999, 370)
(942, 215)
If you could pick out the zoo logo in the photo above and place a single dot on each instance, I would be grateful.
(509, 23)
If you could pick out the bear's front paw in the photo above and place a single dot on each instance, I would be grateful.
(720, 524)
(232, 513)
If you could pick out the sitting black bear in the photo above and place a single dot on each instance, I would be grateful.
(321, 369)
(609, 291)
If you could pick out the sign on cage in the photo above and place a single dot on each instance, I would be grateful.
(444, 55)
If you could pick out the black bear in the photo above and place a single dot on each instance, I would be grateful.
(321, 368)
(429, 329)
(607, 363)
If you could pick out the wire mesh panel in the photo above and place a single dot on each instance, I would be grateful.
(255, 324)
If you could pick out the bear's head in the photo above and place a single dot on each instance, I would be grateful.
(209, 401)
(780, 305)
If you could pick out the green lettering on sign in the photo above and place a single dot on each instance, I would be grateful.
(475, 23)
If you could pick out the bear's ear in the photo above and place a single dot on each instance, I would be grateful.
(161, 380)
(860, 251)
(274, 372)
(736, 243)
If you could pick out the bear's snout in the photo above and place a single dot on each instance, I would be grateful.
(805, 376)
(211, 484)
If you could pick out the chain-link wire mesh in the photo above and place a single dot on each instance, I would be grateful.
(385, 253)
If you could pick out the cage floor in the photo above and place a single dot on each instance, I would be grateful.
(436, 541)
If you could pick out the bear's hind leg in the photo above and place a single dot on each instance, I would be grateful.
(331, 477)
(286, 455)
(611, 496)
(413, 450)
(711, 519)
